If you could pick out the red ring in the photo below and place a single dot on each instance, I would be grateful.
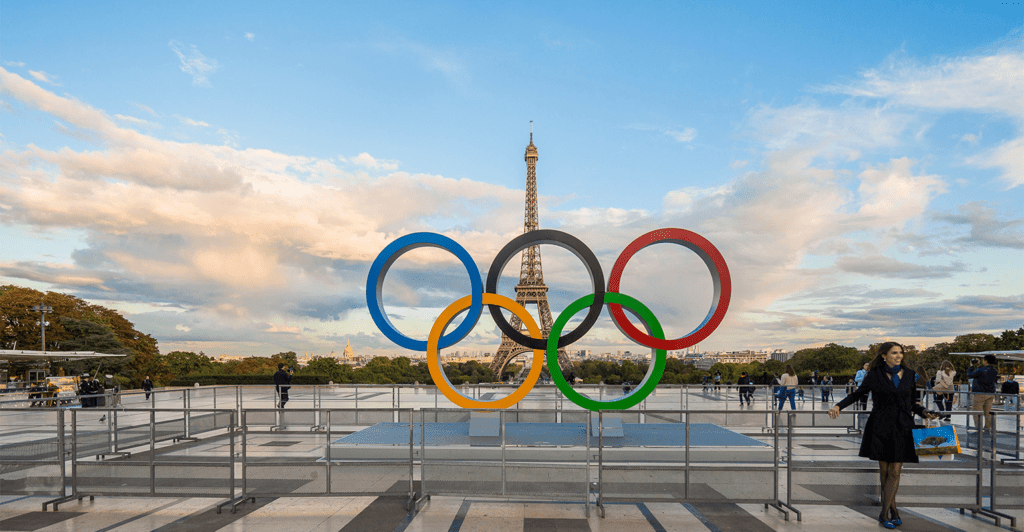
(719, 274)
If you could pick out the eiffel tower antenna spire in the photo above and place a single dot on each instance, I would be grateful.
(531, 288)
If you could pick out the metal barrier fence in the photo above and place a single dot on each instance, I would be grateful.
(193, 452)
(696, 472)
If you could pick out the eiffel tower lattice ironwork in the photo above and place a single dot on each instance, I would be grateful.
(531, 289)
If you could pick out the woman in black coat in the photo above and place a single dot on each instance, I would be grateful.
(887, 434)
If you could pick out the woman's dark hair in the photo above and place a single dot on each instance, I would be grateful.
(790, 371)
(882, 350)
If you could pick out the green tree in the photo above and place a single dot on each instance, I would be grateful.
(831, 358)
(181, 363)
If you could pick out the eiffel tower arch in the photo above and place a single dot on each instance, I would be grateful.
(531, 289)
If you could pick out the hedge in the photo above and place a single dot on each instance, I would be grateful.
(226, 380)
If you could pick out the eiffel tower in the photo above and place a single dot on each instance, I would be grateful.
(531, 288)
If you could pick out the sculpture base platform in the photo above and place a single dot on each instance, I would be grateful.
(553, 442)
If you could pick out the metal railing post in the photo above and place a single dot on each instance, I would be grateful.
(245, 445)
(74, 453)
(231, 457)
(412, 457)
(423, 450)
(992, 470)
(686, 458)
(501, 427)
(600, 461)
(61, 453)
(152, 452)
(110, 427)
(981, 451)
(328, 447)
(184, 405)
(778, 454)
(587, 476)
(789, 458)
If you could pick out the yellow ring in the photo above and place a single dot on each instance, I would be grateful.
(441, 379)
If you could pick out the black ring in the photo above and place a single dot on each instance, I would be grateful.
(562, 240)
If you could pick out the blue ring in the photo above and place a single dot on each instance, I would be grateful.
(379, 269)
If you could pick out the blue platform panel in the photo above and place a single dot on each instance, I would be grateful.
(552, 434)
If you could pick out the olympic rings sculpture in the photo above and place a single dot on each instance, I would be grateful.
(547, 348)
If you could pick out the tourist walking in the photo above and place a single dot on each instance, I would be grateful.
(858, 379)
(943, 389)
(888, 436)
(983, 387)
(147, 386)
(746, 390)
(788, 384)
(282, 380)
(1011, 388)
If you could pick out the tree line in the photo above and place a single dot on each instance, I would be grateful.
(76, 325)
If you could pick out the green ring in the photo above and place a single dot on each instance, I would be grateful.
(646, 386)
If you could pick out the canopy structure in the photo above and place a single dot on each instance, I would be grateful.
(12, 355)
(1016, 356)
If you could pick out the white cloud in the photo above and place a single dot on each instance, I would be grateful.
(250, 36)
(368, 161)
(190, 122)
(991, 83)
(146, 108)
(970, 138)
(987, 84)
(255, 239)
(891, 194)
(1009, 156)
(685, 135)
(880, 266)
(14, 63)
(986, 229)
(183, 328)
(194, 63)
(230, 138)
(273, 328)
(137, 121)
(44, 77)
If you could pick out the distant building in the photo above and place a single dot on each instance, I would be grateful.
(705, 363)
(781, 355)
(742, 357)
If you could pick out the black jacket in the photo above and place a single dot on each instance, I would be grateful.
(282, 379)
(985, 379)
(147, 385)
(887, 434)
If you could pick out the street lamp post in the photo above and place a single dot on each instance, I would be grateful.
(42, 310)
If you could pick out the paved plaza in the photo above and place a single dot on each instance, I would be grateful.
(295, 450)
(371, 514)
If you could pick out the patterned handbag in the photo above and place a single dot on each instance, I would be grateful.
(938, 440)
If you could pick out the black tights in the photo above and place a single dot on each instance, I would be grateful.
(889, 478)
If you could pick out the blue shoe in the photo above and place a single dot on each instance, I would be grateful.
(888, 524)
(897, 521)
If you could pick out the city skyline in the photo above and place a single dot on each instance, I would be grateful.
(224, 175)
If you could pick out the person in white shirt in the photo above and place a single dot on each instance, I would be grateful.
(943, 389)
(789, 382)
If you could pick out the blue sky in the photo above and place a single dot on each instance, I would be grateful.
(225, 173)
